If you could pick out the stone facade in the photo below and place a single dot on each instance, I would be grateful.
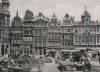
(16, 34)
(4, 27)
(41, 34)
(67, 33)
(87, 32)
(54, 36)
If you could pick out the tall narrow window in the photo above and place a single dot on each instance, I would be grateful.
(94, 39)
(44, 40)
(79, 39)
(76, 31)
(91, 39)
(36, 40)
(30, 31)
(97, 39)
(40, 40)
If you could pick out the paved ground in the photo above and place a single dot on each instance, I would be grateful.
(51, 67)
(95, 66)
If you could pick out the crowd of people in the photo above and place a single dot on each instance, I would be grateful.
(22, 63)
(67, 60)
(77, 60)
(15, 63)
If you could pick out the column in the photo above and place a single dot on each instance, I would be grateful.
(37, 42)
(5, 49)
(99, 39)
(89, 39)
(33, 51)
(96, 41)
(38, 51)
(8, 49)
(0, 49)
(43, 51)
(29, 50)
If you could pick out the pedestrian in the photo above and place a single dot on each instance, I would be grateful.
(99, 57)
(60, 67)
(88, 66)
(39, 69)
(83, 59)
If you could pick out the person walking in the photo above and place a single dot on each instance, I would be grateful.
(99, 59)
(39, 69)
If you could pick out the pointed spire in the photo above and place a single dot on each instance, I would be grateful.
(0, 5)
(85, 8)
(54, 16)
(17, 17)
(17, 13)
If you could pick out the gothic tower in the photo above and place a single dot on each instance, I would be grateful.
(6, 13)
(4, 27)
(86, 18)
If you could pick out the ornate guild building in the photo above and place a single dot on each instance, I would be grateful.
(16, 34)
(28, 32)
(54, 36)
(67, 33)
(40, 34)
(87, 32)
(4, 27)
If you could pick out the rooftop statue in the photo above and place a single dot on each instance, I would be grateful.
(28, 16)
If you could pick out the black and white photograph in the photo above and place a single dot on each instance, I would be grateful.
(49, 35)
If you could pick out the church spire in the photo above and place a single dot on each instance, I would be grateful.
(85, 8)
(85, 18)
(54, 16)
(17, 13)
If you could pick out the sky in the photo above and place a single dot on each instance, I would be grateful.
(59, 7)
